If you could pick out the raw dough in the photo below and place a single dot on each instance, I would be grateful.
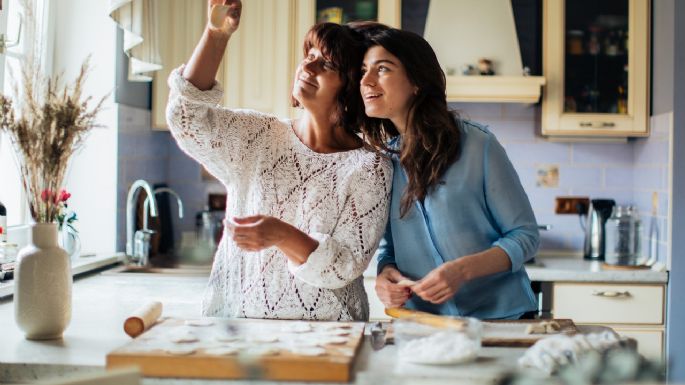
(406, 283)
(222, 351)
(227, 338)
(185, 337)
(263, 338)
(544, 327)
(199, 322)
(335, 340)
(181, 351)
(299, 327)
(216, 18)
(262, 351)
(309, 351)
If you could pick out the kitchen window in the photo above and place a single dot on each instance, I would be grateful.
(11, 192)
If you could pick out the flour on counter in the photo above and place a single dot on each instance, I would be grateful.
(439, 348)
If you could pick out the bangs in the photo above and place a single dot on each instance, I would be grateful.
(329, 39)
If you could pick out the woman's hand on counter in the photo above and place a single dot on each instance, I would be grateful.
(441, 284)
(389, 292)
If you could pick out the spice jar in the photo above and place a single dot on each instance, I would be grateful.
(574, 42)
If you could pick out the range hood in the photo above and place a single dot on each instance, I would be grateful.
(461, 32)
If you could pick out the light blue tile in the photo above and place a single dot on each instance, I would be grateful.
(520, 111)
(526, 154)
(619, 177)
(649, 178)
(513, 131)
(475, 111)
(652, 152)
(602, 153)
(577, 177)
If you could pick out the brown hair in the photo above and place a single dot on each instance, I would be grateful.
(432, 140)
(344, 48)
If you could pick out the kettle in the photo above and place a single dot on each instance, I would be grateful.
(598, 213)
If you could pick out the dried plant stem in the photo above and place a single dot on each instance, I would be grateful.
(50, 125)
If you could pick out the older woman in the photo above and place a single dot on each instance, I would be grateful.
(307, 199)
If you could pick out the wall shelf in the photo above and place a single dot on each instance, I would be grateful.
(494, 89)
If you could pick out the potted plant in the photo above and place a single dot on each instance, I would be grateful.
(46, 123)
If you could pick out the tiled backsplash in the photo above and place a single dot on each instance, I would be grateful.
(627, 172)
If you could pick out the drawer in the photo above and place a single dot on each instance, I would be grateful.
(609, 303)
(650, 343)
(376, 307)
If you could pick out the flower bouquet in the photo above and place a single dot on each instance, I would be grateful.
(46, 123)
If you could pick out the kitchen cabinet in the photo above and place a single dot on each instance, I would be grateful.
(596, 63)
(632, 310)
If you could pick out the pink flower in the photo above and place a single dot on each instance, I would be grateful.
(46, 195)
(63, 196)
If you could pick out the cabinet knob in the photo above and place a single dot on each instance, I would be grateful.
(611, 293)
(597, 124)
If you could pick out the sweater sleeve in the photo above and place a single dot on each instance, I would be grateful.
(508, 203)
(221, 139)
(343, 255)
(386, 250)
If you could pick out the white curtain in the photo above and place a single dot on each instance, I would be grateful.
(140, 21)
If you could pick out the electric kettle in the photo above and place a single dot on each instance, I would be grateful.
(598, 213)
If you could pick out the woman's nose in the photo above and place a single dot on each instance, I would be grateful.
(310, 66)
(368, 79)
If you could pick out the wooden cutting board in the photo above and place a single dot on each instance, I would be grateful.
(152, 350)
(512, 333)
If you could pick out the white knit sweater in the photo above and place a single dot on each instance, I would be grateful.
(339, 199)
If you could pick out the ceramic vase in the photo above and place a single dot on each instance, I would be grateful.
(42, 285)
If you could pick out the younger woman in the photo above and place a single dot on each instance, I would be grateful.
(460, 223)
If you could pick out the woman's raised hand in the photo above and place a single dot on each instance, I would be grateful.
(256, 232)
(224, 15)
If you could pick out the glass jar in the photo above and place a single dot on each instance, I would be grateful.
(623, 237)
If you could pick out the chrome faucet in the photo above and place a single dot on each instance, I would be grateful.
(130, 213)
(160, 190)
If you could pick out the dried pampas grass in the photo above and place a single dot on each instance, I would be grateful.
(50, 124)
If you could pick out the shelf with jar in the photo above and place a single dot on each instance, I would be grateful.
(596, 62)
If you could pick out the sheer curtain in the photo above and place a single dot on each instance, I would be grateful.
(36, 25)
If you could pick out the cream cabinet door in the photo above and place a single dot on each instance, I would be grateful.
(650, 343)
(597, 72)
(609, 303)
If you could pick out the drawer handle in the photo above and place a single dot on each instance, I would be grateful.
(611, 293)
(597, 124)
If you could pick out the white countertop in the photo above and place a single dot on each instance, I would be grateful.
(79, 265)
(575, 269)
(102, 302)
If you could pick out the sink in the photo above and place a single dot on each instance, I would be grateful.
(177, 271)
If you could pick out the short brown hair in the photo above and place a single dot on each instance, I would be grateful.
(344, 48)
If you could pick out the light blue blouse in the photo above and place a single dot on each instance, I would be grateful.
(481, 204)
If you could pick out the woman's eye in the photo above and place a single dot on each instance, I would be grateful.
(382, 69)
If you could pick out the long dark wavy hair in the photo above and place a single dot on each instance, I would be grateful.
(431, 141)
(344, 48)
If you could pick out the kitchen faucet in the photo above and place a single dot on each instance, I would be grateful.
(130, 213)
(141, 238)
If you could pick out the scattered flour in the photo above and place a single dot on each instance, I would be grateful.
(439, 348)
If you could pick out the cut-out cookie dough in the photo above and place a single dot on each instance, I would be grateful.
(216, 18)
(544, 327)
(299, 327)
(309, 351)
(199, 322)
(262, 351)
(222, 351)
(406, 283)
(263, 338)
(181, 351)
(181, 338)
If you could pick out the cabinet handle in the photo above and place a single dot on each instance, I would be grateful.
(597, 124)
(611, 293)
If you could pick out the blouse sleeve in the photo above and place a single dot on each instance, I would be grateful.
(221, 139)
(386, 250)
(508, 203)
(343, 255)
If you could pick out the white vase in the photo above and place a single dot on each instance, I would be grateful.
(42, 285)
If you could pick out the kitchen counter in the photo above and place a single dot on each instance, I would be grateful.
(575, 269)
(79, 265)
(101, 302)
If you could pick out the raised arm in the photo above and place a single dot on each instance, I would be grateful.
(224, 18)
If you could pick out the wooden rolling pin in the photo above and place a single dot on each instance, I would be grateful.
(143, 318)
(426, 318)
